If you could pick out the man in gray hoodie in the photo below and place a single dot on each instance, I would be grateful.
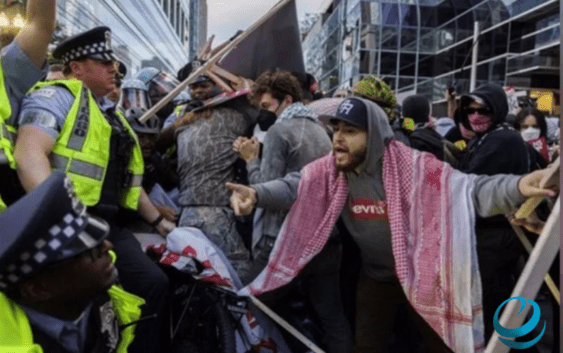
(361, 135)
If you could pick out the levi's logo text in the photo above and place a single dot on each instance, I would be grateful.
(369, 210)
(522, 330)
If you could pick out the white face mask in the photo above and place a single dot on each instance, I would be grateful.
(530, 133)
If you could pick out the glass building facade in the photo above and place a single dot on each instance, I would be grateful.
(154, 33)
(425, 46)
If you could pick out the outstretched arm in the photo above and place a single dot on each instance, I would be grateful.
(500, 194)
(279, 194)
(34, 38)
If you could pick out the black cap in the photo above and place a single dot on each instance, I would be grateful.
(47, 225)
(352, 111)
(416, 107)
(190, 68)
(94, 44)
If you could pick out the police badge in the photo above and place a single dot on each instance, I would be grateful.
(110, 327)
(108, 40)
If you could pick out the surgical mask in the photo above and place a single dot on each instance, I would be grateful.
(530, 133)
(266, 119)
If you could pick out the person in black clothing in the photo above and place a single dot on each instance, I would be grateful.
(422, 136)
(496, 148)
(133, 104)
(459, 135)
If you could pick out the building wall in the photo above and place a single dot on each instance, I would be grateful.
(423, 45)
(145, 32)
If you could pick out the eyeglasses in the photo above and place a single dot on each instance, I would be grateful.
(481, 111)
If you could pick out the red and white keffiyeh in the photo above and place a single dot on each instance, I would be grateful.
(432, 221)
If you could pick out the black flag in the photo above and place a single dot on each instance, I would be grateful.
(274, 44)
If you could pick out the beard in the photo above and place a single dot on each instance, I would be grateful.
(353, 160)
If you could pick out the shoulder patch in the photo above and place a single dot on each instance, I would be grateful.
(45, 92)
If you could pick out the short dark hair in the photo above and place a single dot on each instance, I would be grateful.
(277, 83)
(540, 118)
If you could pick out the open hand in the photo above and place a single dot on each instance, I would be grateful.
(243, 199)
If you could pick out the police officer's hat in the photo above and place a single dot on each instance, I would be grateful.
(94, 44)
(44, 227)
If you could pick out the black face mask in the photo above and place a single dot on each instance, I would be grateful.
(266, 119)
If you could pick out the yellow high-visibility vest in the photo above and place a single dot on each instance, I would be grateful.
(16, 335)
(82, 150)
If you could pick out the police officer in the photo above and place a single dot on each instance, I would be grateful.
(158, 84)
(49, 243)
(22, 65)
(68, 125)
(159, 169)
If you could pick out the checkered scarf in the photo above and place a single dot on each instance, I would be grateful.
(295, 110)
(432, 219)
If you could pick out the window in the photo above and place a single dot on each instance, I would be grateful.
(408, 38)
(427, 16)
(388, 63)
(182, 28)
(165, 6)
(178, 17)
(408, 64)
(389, 38)
(390, 14)
(172, 8)
(409, 15)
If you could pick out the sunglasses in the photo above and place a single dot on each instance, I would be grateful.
(481, 111)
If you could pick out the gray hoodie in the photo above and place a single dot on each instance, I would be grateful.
(365, 212)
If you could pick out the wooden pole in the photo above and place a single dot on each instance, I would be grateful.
(529, 247)
(531, 279)
(214, 60)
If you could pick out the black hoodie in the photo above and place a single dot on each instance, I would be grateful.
(499, 150)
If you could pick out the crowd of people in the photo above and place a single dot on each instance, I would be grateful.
(394, 220)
